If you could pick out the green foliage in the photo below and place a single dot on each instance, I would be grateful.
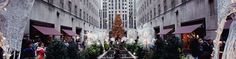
(82, 55)
(106, 45)
(73, 50)
(170, 48)
(56, 50)
(134, 48)
(93, 51)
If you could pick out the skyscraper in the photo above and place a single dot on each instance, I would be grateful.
(123, 7)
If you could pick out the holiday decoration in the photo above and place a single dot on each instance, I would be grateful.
(225, 8)
(117, 28)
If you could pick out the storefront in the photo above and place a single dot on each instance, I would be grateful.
(157, 30)
(41, 31)
(78, 31)
(68, 34)
(167, 31)
(197, 27)
(190, 30)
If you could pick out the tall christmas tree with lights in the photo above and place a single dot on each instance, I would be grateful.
(117, 28)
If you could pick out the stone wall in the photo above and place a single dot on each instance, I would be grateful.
(187, 11)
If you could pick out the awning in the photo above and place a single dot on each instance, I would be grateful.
(227, 24)
(187, 29)
(69, 32)
(47, 30)
(165, 31)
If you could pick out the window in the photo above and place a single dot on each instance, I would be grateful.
(173, 3)
(126, 25)
(159, 9)
(100, 24)
(83, 15)
(62, 3)
(177, 13)
(110, 25)
(134, 24)
(162, 18)
(80, 12)
(165, 6)
(150, 1)
(150, 15)
(126, 17)
(104, 24)
(87, 17)
(75, 10)
(154, 12)
(184, 1)
(130, 23)
(50, 1)
(72, 19)
(58, 14)
(119, 6)
(69, 6)
(212, 7)
(112, 22)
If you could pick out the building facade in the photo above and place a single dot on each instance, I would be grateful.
(175, 14)
(79, 16)
(123, 7)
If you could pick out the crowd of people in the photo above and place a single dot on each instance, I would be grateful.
(199, 48)
(33, 50)
(191, 45)
(188, 46)
(36, 49)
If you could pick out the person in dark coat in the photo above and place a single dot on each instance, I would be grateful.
(195, 47)
(28, 53)
(207, 49)
(1, 53)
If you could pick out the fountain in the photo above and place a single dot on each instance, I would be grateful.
(132, 35)
(146, 35)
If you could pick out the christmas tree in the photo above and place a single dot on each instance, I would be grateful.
(117, 28)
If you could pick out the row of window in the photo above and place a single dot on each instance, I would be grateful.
(165, 6)
(115, 5)
(156, 10)
(117, 11)
(82, 14)
(118, 0)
